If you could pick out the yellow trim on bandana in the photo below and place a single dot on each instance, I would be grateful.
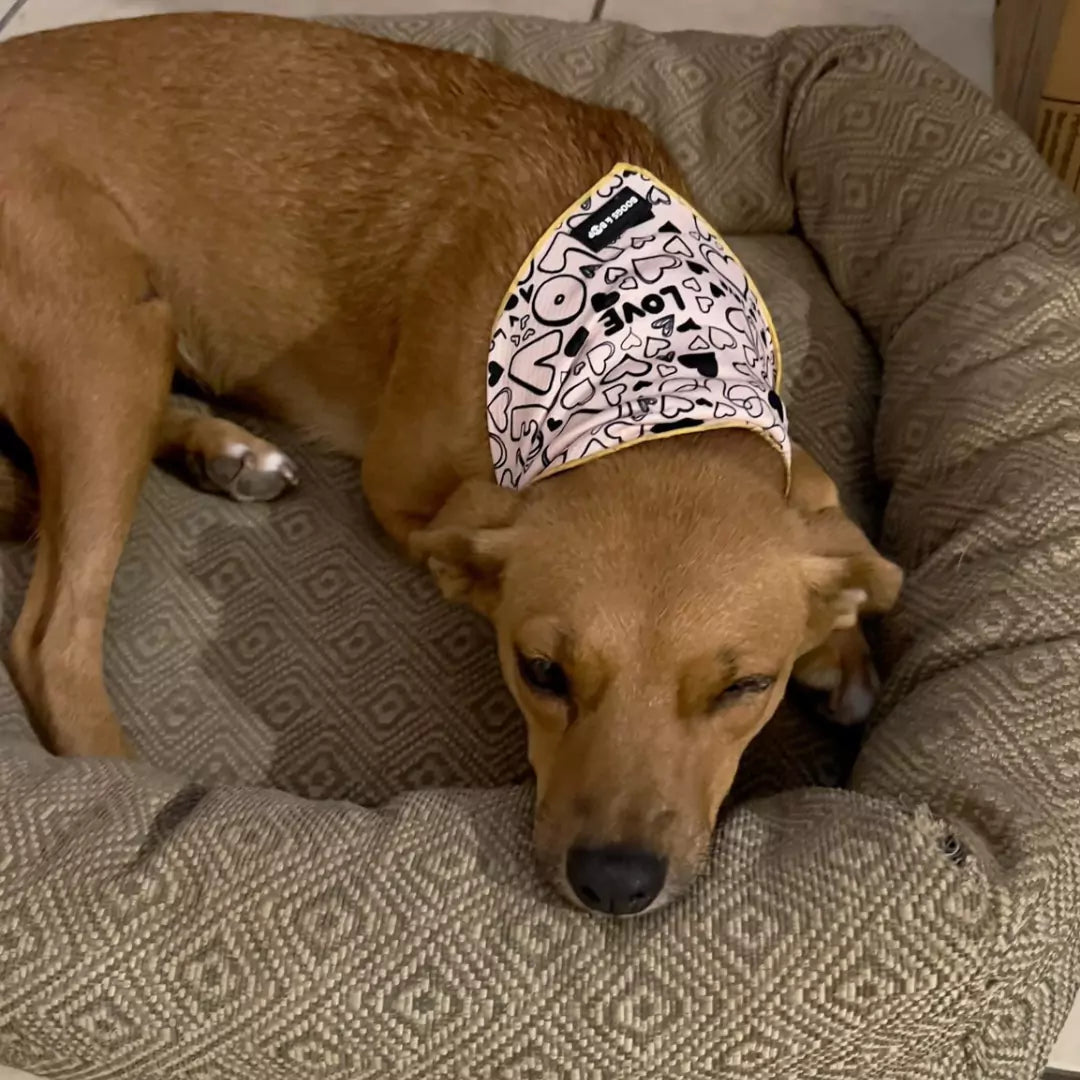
(738, 425)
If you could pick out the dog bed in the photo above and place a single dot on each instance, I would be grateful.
(322, 867)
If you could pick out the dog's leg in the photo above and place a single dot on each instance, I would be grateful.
(218, 455)
(92, 432)
(86, 359)
(413, 462)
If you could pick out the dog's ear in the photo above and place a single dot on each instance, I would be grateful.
(843, 570)
(845, 575)
(466, 544)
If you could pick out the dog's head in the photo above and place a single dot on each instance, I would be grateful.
(649, 608)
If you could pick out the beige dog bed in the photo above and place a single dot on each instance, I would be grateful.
(230, 908)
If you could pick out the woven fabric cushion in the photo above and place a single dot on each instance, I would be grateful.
(202, 914)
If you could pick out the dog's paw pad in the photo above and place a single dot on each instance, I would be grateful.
(255, 472)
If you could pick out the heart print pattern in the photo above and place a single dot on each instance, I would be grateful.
(630, 320)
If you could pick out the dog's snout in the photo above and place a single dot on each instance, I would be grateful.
(615, 879)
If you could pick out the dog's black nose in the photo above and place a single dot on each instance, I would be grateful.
(615, 879)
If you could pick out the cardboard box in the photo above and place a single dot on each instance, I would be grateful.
(1057, 130)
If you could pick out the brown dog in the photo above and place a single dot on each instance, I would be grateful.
(324, 224)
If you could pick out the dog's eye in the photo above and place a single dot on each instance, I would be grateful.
(544, 676)
(742, 688)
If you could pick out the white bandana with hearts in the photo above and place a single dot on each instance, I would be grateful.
(630, 320)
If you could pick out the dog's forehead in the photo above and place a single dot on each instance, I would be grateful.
(648, 567)
(675, 610)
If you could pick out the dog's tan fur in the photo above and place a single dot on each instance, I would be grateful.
(265, 205)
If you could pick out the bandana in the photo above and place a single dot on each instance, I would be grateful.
(631, 319)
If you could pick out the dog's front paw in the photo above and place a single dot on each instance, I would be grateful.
(843, 668)
(853, 700)
(251, 470)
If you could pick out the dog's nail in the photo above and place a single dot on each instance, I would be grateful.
(223, 470)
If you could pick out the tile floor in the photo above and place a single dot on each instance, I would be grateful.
(960, 31)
